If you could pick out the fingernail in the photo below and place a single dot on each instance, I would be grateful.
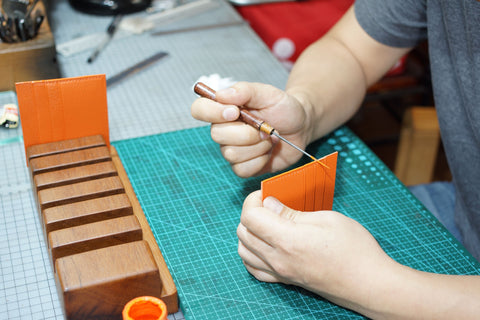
(230, 114)
(273, 204)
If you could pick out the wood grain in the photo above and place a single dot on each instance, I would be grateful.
(88, 211)
(73, 175)
(97, 284)
(169, 290)
(47, 149)
(69, 159)
(93, 236)
(88, 205)
(79, 191)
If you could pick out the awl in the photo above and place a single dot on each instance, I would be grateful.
(246, 116)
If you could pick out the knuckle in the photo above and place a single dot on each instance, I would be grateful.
(215, 133)
(230, 154)
(198, 109)
(280, 268)
(194, 110)
(241, 250)
(288, 214)
(241, 171)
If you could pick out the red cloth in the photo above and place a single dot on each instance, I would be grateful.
(301, 22)
(287, 28)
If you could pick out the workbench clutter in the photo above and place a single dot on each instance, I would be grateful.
(101, 247)
(27, 46)
(9, 116)
(19, 21)
(110, 7)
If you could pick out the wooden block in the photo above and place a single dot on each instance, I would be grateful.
(418, 146)
(74, 175)
(88, 211)
(47, 149)
(34, 59)
(97, 284)
(169, 290)
(79, 191)
(69, 160)
(102, 234)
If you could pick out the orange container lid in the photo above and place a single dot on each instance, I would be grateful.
(145, 308)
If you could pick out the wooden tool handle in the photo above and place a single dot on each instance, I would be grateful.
(246, 116)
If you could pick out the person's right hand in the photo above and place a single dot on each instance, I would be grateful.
(249, 151)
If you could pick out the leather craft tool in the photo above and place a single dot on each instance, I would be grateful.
(112, 28)
(135, 68)
(199, 27)
(247, 117)
(140, 24)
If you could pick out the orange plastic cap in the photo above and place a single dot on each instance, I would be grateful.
(145, 308)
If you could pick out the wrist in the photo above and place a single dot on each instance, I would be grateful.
(387, 293)
(373, 292)
(310, 111)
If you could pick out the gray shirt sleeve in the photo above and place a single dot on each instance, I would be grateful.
(391, 22)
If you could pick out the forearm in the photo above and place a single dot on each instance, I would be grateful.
(329, 84)
(435, 296)
(405, 293)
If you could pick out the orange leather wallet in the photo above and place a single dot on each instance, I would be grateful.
(307, 188)
(62, 109)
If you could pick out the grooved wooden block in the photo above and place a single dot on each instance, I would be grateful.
(79, 191)
(97, 284)
(93, 236)
(88, 211)
(51, 148)
(169, 290)
(69, 159)
(74, 175)
(92, 220)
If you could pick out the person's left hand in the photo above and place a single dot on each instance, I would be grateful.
(324, 252)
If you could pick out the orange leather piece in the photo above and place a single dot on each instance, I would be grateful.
(307, 188)
(62, 109)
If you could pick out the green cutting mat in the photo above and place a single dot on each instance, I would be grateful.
(193, 201)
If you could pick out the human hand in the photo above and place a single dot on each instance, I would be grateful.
(249, 151)
(324, 252)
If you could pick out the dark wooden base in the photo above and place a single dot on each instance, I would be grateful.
(101, 246)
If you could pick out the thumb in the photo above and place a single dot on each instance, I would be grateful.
(282, 210)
